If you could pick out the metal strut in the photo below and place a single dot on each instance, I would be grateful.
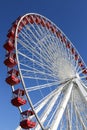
(62, 107)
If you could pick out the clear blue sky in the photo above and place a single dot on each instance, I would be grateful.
(69, 15)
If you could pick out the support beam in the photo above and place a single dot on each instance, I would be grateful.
(48, 110)
(80, 118)
(47, 98)
(82, 89)
(68, 119)
(62, 108)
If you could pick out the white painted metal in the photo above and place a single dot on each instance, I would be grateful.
(62, 107)
(43, 58)
(68, 118)
(82, 89)
(80, 105)
(48, 110)
(47, 98)
(81, 121)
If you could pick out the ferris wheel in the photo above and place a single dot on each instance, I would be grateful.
(47, 76)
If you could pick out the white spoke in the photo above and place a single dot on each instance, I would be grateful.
(36, 62)
(41, 103)
(42, 86)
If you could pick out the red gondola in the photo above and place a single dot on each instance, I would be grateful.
(76, 56)
(13, 79)
(25, 21)
(80, 63)
(9, 45)
(10, 61)
(27, 113)
(13, 72)
(14, 24)
(43, 22)
(68, 45)
(84, 71)
(18, 99)
(58, 33)
(61, 38)
(48, 24)
(53, 29)
(21, 25)
(26, 123)
(72, 50)
(19, 92)
(37, 20)
(64, 39)
(31, 20)
(11, 33)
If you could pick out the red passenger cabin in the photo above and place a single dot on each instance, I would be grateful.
(84, 71)
(37, 20)
(80, 63)
(16, 22)
(64, 39)
(11, 32)
(59, 34)
(30, 19)
(43, 22)
(13, 79)
(9, 45)
(68, 45)
(53, 29)
(48, 24)
(18, 98)
(76, 57)
(25, 21)
(26, 123)
(72, 51)
(10, 60)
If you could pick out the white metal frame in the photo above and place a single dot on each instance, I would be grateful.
(74, 77)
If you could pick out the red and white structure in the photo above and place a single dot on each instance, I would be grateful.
(47, 76)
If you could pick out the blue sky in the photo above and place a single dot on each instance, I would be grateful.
(69, 15)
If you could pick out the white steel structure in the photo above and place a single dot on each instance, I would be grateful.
(52, 73)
